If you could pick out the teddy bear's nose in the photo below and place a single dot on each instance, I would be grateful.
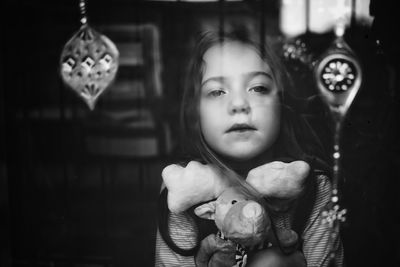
(252, 210)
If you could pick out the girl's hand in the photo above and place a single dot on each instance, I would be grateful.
(215, 252)
(273, 257)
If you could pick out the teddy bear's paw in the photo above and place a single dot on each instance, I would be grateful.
(288, 239)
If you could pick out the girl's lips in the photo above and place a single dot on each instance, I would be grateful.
(240, 127)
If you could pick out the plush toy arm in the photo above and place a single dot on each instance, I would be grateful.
(280, 180)
(190, 185)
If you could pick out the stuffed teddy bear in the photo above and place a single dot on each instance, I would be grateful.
(243, 225)
(242, 220)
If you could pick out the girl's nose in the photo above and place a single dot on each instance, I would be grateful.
(239, 104)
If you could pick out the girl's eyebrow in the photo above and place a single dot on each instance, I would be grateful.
(220, 79)
(259, 73)
(248, 75)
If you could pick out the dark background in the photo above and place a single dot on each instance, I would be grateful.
(65, 206)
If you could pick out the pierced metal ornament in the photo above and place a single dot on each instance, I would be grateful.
(338, 75)
(89, 62)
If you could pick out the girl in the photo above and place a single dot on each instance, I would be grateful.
(236, 116)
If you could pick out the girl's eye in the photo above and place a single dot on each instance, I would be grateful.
(216, 93)
(233, 202)
(260, 89)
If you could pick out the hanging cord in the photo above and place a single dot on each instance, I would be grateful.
(86, 33)
(334, 216)
(262, 28)
(82, 7)
(307, 14)
(221, 28)
(353, 13)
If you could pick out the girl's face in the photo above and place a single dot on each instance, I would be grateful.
(239, 102)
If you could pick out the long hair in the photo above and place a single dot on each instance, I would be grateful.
(296, 139)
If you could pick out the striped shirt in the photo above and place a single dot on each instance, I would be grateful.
(315, 235)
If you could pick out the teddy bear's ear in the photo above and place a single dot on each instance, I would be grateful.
(191, 185)
(279, 179)
(206, 211)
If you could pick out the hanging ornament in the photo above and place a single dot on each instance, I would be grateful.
(338, 76)
(89, 61)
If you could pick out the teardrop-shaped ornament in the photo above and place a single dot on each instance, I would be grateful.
(89, 63)
(338, 76)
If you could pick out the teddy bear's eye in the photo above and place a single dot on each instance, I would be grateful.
(233, 202)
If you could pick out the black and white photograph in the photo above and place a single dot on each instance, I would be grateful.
(200, 133)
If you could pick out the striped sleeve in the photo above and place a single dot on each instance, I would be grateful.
(183, 233)
(316, 235)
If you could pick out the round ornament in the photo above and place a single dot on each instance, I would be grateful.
(338, 75)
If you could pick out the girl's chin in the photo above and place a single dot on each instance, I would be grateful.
(241, 155)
